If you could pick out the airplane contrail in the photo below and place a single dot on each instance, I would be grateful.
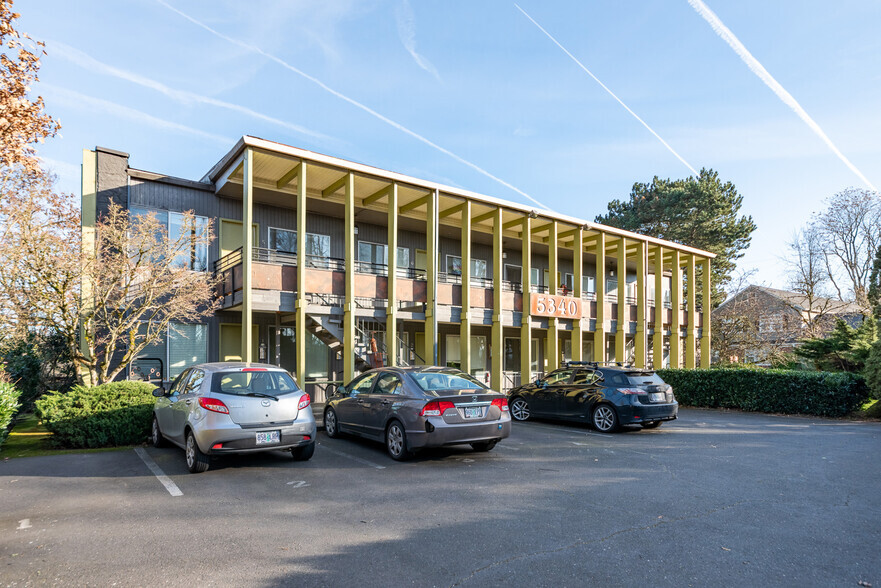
(352, 101)
(612, 94)
(753, 64)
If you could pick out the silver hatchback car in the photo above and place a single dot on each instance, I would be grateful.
(220, 408)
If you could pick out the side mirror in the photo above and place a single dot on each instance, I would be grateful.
(158, 391)
(341, 391)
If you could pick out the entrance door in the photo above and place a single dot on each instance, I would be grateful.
(231, 342)
(231, 235)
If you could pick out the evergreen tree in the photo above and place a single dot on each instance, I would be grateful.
(846, 349)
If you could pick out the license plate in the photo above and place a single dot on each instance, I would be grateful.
(267, 437)
(473, 412)
(659, 397)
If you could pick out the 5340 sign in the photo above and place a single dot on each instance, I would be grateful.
(558, 306)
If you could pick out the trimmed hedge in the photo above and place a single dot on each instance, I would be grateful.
(831, 394)
(8, 407)
(109, 415)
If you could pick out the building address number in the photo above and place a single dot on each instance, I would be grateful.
(558, 306)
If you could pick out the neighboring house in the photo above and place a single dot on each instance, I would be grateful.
(366, 267)
(759, 323)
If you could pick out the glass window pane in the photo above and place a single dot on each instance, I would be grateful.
(316, 357)
(454, 265)
(478, 268)
(454, 358)
(478, 353)
(283, 240)
(187, 345)
(403, 257)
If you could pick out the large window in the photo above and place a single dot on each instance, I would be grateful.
(194, 257)
(454, 266)
(377, 254)
(183, 346)
(286, 241)
(478, 353)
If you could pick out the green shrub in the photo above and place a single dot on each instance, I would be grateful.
(8, 407)
(775, 391)
(112, 414)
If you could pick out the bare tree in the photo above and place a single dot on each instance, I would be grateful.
(808, 275)
(22, 120)
(108, 303)
(850, 228)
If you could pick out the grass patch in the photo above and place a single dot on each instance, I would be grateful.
(872, 409)
(29, 438)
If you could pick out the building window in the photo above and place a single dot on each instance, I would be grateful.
(454, 266)
(589, 284)
(286, 241)
(569, 282)
(184, 345)
(478, 353)
(195, 257)
(513, 273)
(535, 276)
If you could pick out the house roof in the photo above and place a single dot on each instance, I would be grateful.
(804, 303)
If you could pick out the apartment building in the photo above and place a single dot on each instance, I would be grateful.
(368, 267)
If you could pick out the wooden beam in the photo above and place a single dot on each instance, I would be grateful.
(415, 204)
(378, 195)
(542, 228)
(453, 210)
(335, 186)
(288, 177)
(483, 217)
(517, 222)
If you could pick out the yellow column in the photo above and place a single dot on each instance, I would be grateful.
(691, 330)
(247, 253)
(497, 349)
(639, 346)
(431, 242)
(349, 304)
(553, 340)
(623, 314)
(599, 333)
(391, 313)
(465, 317)
(676, 324)
(300, 308)
(578, 262)
(706, 335)
(658, 337)
(525, 318)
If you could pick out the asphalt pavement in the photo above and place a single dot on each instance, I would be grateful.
(714, 498)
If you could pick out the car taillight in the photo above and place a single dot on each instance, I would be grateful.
(631, 391)
(304, 402)
(436, 407)
(213, 404)
(502, 403)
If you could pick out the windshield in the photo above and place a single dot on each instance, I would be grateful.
(241, 383)
(644, 378)
(430, 381)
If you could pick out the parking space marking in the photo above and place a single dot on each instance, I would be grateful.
(508, 447)
(352, 457)
(157, 471)
(565, 429)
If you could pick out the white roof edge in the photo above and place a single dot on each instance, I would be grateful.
(296, 152)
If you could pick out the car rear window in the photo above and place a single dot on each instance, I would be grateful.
(244, 383)
(643, 378)
(431, 381)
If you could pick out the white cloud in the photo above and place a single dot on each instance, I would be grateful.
(407, 32)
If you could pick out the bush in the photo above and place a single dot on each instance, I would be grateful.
(112, 414)
(8, 407)
(776, 391)
(37, 364)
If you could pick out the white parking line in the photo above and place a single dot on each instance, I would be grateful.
(352, 457)
(157, 471)
(580, 432)
(508, 447)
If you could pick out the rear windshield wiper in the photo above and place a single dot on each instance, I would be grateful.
(262, 395)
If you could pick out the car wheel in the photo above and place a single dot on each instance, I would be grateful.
(651, 425)
(519, 409)
(331, 426)
(604, 418)
(484, 445)
(303, 453)
(197, 462)
(396, 441)
(156, 437)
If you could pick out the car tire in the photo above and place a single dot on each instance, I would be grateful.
(484, 445)
(651, 425)
(156, 437)
(396, 441)
(197, 462)
(604, 418)
(304, 452)
(519, 409)
(331, 424)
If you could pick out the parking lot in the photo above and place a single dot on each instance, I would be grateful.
(714, 498)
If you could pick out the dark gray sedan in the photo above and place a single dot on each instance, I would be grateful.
(218, 408)
(415, 407)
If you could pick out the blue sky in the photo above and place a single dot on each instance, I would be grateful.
(481, 81)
